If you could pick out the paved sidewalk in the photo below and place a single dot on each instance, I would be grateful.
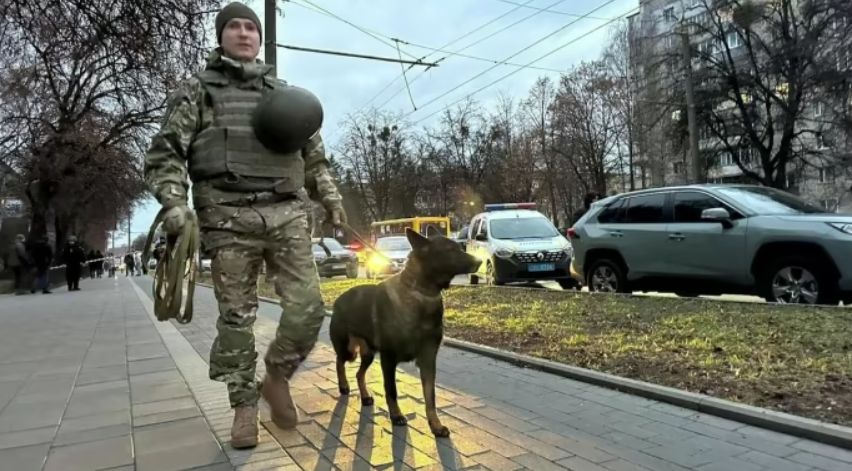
(505, 418)
(89, 380)
(86, 383)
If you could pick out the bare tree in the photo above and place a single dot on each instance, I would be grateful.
(538, 111)
(467, 140)
(616, 61)
(83, 84)
(587, 128)
(374, 148)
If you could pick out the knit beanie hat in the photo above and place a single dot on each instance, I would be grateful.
(236, 10)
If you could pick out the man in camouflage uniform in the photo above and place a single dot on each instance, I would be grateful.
(251, 208)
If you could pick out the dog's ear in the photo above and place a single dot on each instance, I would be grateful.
(418, 242)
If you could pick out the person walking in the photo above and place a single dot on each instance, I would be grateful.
(129, 264)
(20, 263)
(249, 187)
(99, 263)
(42, 255)
(74, 257)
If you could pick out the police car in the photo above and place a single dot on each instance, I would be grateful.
(518, 244)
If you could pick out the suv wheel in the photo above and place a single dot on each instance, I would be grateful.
(798, 280)
(607, 276)
(473, 279)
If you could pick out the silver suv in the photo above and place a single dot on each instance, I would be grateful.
(715, 239)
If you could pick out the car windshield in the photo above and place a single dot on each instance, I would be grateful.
(393, 244)
(768, 201)
(522, 228)
(332, 244)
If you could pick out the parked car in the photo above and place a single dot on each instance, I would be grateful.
(461, 236)
(715, 239)
(337, 262)
(392, 254)
(518, 244)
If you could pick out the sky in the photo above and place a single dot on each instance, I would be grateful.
(346, 85)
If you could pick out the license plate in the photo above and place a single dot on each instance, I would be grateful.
(541, 267)
(339, 266)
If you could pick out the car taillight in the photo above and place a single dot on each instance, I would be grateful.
(572, 234)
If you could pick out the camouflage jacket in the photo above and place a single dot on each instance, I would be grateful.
(188, 112)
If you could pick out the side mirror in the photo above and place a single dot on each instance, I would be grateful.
(720, 215)
(481, 236)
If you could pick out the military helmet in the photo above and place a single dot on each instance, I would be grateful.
(286, 118)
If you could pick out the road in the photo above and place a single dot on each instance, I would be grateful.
(462, 280)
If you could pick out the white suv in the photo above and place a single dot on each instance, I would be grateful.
(518, 244)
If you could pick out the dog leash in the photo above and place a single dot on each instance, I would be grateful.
(178, 266)
(363, 241)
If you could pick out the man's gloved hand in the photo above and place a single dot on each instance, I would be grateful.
(175, 219)
(336, 215)
(173, 198)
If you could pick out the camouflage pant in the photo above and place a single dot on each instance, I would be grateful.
(239, 239)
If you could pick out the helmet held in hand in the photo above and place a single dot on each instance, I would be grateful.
(286, 118)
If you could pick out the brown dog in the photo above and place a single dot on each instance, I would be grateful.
(401, 318)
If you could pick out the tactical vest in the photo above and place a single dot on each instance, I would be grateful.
(229, 154)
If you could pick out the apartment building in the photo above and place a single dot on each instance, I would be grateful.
(657, 54)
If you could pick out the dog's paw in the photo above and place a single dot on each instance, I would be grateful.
(367, 401)
(399, 420)
(441, 431)
(344, 390)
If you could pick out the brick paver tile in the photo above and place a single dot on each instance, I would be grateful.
(25, 457)
(533, 461)
(821, 462)
(100, 454)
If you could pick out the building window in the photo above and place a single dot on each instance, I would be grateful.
(826, 175)
(733, 40)
(830, 204)
(679, 168)
(747, 155)
(726, 160)
(669, 15)
(821, 141)
(818, 109)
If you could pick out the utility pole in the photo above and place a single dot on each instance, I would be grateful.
(691, 117)
(270, 47)
(129, 234)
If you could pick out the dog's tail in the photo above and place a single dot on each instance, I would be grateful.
(340, 340)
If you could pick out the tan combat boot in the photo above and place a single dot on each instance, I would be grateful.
(244, 430)
(276, 391)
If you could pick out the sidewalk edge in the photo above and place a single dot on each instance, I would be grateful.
(195, 375)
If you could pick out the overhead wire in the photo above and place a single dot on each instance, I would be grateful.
(440, 49)
(372, 34)
(495, 62)
(516, 53)
(548, 54)
(548, 10)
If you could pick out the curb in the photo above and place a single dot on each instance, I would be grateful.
(764, 418)
(789, 424)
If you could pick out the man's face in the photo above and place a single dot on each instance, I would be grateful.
(241, 40)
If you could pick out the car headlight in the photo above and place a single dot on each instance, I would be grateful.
(844, 227)
(504, 252)
(377, 262)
